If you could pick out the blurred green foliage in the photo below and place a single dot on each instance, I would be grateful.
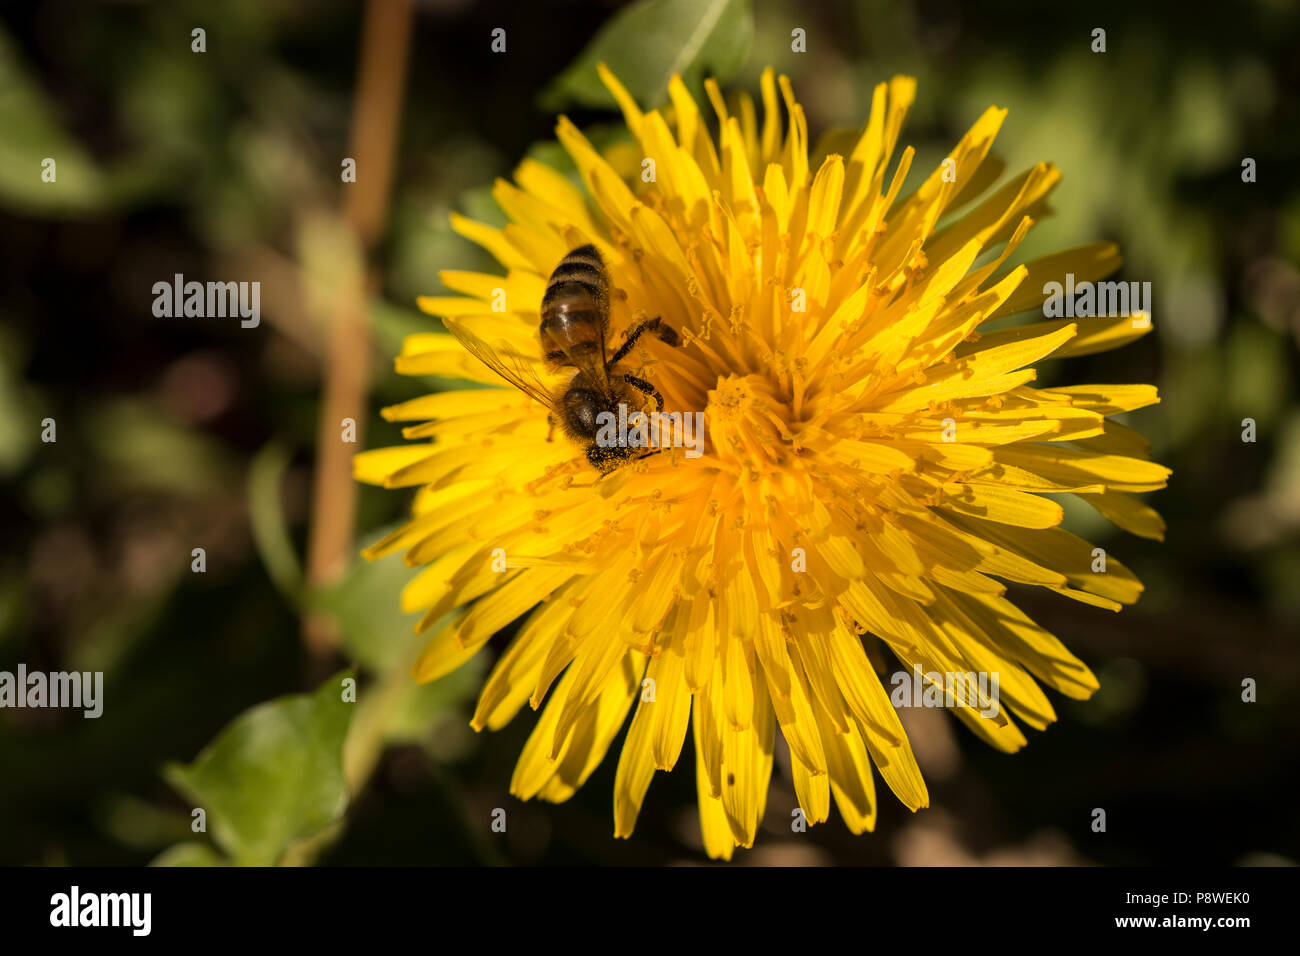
(274, 775)
(649, 42)
(174, 434)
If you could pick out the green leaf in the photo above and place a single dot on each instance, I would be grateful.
(602, 136)
(418, 707)
(366, 605)
(274, 775)
(480, 205)
(266, 516)
(647, 42)
(32, 134)
(19, 406)
(190, 854)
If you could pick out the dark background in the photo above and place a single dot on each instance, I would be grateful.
(218, 165)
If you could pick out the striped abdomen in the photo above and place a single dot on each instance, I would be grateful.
(575, 311)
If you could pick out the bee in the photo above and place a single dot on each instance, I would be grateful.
(573, 334)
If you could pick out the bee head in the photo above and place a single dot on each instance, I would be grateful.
(582, 408)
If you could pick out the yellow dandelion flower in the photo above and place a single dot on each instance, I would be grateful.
(872, 470)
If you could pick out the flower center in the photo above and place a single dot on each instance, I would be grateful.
(746, 421)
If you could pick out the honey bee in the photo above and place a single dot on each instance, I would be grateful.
(573, 333)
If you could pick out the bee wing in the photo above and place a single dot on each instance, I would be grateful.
(512, 367)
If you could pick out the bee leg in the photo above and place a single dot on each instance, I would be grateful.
(665, 333)
(642, 385)
(605, 460)
(550, 420)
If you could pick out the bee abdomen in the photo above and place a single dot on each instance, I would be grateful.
(587, 254)
(582, 270)
(579, 272)
(572, 326)
(575, 309)
(572, 295)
